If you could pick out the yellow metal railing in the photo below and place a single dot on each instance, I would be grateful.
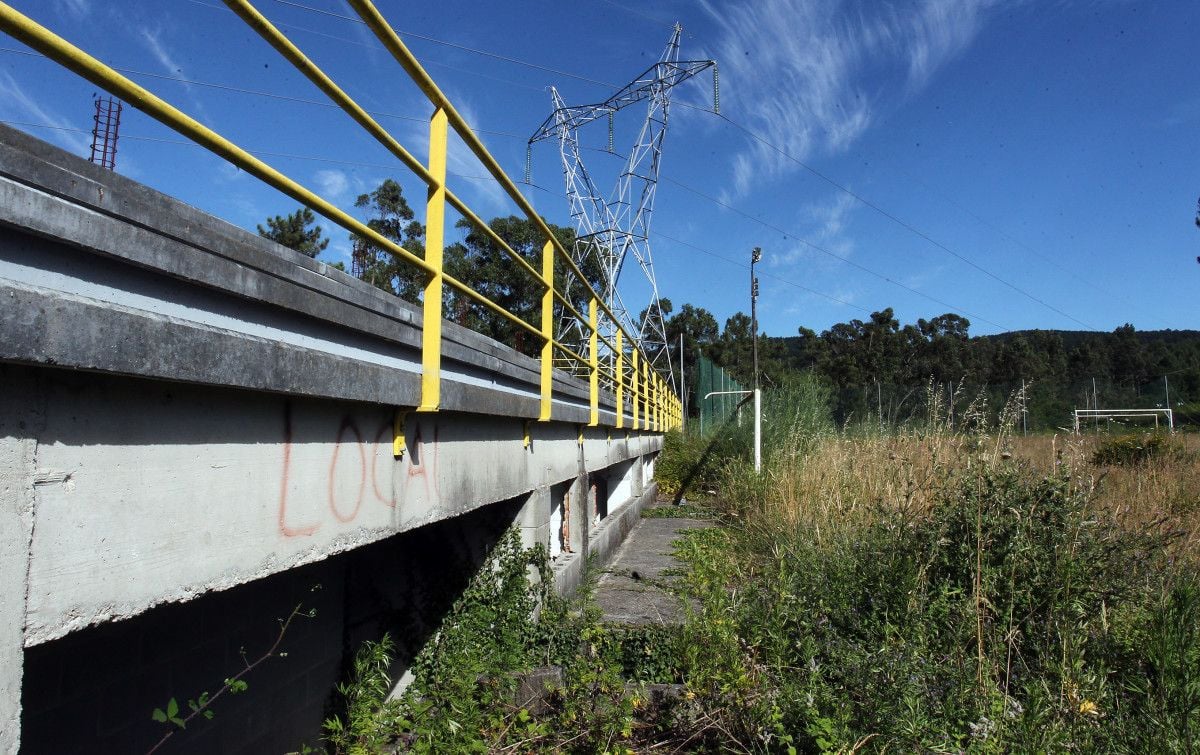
(653, 406)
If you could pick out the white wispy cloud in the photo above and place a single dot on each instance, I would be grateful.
(16, 104)
(825, 224)
(331, 184)
(153, 40)
(73, 8)
(812, 75)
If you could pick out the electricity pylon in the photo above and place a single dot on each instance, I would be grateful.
(607, 230)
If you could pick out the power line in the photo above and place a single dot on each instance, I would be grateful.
(817, 247)
(725, 117)
(305, 101)
(903, 224)
(454, 45)
(732, 261)
(746, 130)
(749, 132)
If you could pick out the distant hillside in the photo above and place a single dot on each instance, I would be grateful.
(879, 366)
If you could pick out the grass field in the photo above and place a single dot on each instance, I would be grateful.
(945, 589)
(941, 588)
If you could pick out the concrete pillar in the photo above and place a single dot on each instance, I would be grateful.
(534, 519)
(18, 424)
(638, 481)
(581, 516)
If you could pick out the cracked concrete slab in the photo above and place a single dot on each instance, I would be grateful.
(636, 588)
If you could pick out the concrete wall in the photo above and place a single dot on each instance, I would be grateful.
(192, 414)
(93, 690)
(149, 491)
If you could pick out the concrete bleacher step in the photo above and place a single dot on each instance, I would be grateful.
(635, 589)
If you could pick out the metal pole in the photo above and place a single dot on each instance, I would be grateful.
(683, 392)
(757, 430)
(755, 256)
(1167, 390)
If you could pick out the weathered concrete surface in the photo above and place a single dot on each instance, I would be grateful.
(16, 529)
(603, 541)
(634, 588)
(189, 408)
(149, 491)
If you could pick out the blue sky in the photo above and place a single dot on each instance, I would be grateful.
(1027, 164)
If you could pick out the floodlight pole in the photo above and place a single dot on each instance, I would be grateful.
(755, 256)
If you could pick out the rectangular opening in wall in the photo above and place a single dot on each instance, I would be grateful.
(560, 519)
(598, 496)
(620, 485)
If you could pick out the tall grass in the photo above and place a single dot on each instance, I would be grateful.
(948, 586)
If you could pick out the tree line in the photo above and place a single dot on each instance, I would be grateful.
(875, 368)
(879, 368)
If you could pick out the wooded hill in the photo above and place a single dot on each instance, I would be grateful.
(879, 367)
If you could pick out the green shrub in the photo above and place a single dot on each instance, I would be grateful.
(1133, 449)
(794, 416)
(1001, 620)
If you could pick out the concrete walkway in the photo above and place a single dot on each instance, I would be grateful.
(633, 589)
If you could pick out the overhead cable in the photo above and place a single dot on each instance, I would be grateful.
(902, 223)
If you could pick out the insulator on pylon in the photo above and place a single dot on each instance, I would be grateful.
(610, 131)
(106, 125)
(716, 88)
(528, 161)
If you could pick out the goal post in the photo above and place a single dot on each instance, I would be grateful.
(1098, 414)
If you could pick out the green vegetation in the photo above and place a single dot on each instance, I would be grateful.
(293, 232)
(940, 589)
(465, 695)
(1134, 448)
(951, 587)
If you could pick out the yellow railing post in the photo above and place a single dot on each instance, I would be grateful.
(547, 331)
(658, 403)
(435, 228)
(594, 362)
(653, 378)
(652, 397)
(619, 376)
(657, 393)
(634, 388)
(645, 377)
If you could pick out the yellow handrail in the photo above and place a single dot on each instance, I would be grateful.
(648, 395)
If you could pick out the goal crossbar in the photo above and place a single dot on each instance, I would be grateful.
(1081, 414)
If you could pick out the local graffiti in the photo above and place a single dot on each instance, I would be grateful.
(355, 470)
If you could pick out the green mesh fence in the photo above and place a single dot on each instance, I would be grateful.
(715, 410)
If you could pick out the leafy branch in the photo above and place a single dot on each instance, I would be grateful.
(201, 706)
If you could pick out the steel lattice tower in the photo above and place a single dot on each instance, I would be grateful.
(608, 230)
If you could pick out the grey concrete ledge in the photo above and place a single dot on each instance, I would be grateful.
(65, 221)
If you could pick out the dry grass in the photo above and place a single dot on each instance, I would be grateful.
(1164, 491)
(843, 479)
